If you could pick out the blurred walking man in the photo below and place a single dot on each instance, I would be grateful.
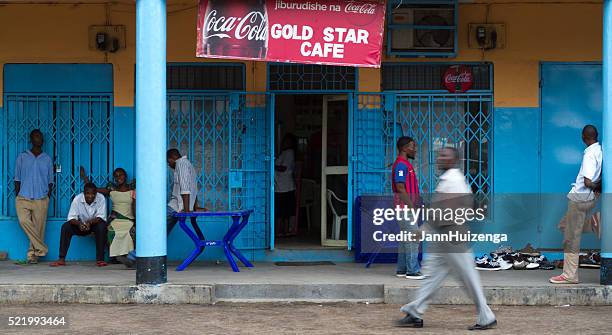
(453, 192)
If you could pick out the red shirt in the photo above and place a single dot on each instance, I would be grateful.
(404, 173)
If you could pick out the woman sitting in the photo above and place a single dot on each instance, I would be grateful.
(122, 218)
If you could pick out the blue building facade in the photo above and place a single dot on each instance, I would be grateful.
(228, 118)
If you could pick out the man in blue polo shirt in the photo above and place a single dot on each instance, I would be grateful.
(33, 185)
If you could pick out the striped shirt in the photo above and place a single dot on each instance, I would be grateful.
(184, 182)
(403, 173)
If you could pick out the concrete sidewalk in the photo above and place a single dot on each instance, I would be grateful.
(204, 283)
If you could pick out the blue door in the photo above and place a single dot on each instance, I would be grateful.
(72, 104)
(571, 97)
(251, 166)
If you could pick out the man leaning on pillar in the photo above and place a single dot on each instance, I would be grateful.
(581, 201)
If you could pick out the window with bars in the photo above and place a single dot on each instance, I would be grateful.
(428, 77)
(77, 130)
(310, 77)
(206, 77)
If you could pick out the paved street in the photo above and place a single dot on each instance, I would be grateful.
(304, 319)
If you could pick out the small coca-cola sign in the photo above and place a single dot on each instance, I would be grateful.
(458, 79)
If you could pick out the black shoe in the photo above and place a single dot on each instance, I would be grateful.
(409, 321)
(113, 260)
(484, 327)
(130, 264)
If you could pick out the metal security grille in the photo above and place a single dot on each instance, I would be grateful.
(250, 165)
(78, 132)
(217, 77)
(434, 121)
(198, 125)
(397, 77)
(226, 137)
(309, 77)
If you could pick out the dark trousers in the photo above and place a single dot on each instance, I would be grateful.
(98, 229)
(171, 222)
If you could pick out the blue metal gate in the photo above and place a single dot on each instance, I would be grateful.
(78, 131)
(226, 137)
(463, 121)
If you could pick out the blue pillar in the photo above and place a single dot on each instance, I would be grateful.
(151, 167)
(606, 206)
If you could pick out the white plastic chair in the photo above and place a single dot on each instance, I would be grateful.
(337, 218)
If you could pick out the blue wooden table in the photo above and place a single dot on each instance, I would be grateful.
(239, 220)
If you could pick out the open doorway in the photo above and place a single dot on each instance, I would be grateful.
(315, 128)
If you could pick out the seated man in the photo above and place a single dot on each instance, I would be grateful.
(87, 215)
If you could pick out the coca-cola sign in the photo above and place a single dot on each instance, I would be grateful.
(252, 26)
(458, 79)
(338, 32)
(360, 8)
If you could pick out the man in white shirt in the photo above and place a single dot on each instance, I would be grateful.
(87, 215)
(184, 188)
(581, 201)
(452, 192)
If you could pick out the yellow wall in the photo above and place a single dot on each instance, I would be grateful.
(536, 31)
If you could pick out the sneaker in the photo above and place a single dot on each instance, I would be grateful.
(533, 262)
(503, 250)
(543, 262)
(481, 259)
(486, 264)
(591, 260)
(503, 264)
(484, 327)
(520, 261)
(561, 279)
(409, 321)
(415, 276)
(520, 265)
(528, 250)
(400, 274)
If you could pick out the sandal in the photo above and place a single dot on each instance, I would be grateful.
(58, 263)
(101, 264)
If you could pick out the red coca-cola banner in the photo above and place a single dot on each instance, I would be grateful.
(458, 79)
(336, 32)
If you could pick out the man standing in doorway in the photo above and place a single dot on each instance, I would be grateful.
(33, 186)
(452, 192)
(406, 193)
(581, 201)
(184, 188)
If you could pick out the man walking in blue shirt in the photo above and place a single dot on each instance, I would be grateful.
(33, 186)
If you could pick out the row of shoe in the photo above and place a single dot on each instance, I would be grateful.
(516, 261)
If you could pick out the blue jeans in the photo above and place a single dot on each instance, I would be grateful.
(408, 252)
